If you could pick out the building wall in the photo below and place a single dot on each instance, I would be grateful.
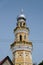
(22, 57)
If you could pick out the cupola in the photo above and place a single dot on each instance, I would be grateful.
(21, 20)
(21, 16)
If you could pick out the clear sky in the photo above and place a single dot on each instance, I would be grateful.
(33, 9)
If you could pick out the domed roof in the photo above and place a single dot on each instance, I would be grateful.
(21, 16)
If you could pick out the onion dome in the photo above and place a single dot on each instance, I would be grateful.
(21, 16)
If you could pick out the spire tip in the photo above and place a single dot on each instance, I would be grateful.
(21, 11)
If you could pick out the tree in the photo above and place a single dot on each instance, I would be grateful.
(41, 63)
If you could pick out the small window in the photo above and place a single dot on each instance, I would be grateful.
(20, 37)
(23, 24)
(27, 53)
(20, 54)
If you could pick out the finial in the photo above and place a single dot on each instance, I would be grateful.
(21, 16)
(22, 11)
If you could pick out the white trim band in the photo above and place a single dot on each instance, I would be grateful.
(21, 48)
(17, 31)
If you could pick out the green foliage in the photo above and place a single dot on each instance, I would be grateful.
(41, 63)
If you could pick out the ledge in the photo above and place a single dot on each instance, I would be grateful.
(21, 28)
(21, 42)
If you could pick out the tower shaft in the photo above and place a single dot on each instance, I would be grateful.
(22, 47)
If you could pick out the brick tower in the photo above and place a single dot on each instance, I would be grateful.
(22, 47)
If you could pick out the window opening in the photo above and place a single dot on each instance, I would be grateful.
(20, 37)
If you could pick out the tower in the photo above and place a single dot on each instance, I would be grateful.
(22, 47)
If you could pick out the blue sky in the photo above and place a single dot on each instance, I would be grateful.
(33, 9)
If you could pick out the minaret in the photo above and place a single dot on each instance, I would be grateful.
(22, 47)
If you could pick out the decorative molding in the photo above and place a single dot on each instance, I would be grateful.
(21, 28)
(28, 48)
(21, 43)
(18, 31)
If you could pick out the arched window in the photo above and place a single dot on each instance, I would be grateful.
(20, 37)
(23, 24)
